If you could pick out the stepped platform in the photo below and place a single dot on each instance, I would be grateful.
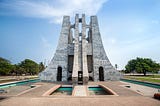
(125, 96)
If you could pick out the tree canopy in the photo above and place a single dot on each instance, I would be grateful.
(142, 65)
(5, 66)
(27, 67)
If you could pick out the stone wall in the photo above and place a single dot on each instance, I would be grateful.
(86, 54)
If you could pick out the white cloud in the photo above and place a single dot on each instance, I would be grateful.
(125, 38)
(53, 9)
(121, 52)
(45, 42)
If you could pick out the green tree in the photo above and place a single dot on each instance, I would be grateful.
(41, 66)
(5, 66)
(130, 67)
(29, 66)
(142, 65)
(17, 70)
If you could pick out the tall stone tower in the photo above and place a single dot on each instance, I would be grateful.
(80, 55)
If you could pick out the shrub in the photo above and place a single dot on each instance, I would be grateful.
(157, 96)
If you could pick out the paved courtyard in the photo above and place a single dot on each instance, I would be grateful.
(126, 96)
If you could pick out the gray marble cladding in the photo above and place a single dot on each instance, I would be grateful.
(70, 45)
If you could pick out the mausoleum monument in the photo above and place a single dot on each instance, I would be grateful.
(80, 55)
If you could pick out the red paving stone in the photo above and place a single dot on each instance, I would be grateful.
(79, 101)
(126, 97)
(115, 86)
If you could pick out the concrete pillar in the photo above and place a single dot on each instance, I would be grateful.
(76, 51)
(84, 52)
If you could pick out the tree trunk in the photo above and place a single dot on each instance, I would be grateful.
(144, 72)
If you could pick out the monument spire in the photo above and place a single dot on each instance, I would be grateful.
(80, 55)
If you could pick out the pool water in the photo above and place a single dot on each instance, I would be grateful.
(97, 91)
(92, 90)
(25, 82)
(142, 83)
(63, 91)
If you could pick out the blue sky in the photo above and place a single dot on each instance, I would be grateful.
(31, 28)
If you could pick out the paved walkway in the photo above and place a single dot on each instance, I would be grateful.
(144, 90)
(81, 101)
(39, 91)
(116, 87)
(80, 90)
(126, 97)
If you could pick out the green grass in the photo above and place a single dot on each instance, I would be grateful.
(145, 78)
(5, 79)
(154, 76)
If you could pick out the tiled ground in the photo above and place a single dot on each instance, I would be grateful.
(126, 97)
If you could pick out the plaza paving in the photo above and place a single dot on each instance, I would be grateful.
(126, 96)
